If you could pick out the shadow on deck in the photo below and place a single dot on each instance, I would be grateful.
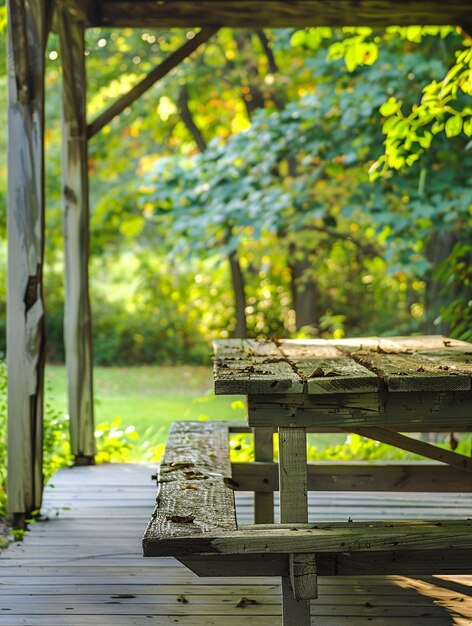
(83, 566)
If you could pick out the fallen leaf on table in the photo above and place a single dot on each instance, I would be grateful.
(188, 487)
(181, 519)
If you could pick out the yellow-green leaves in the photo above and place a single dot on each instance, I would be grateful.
(355, 50)
(311, 38)
(453, 126)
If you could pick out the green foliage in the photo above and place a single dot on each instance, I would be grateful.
(445, 107)
(115, 444)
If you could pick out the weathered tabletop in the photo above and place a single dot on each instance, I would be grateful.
(401, 383)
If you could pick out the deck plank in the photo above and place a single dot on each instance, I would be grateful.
(70, 569)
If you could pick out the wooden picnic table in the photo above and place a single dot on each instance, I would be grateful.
(376, 387)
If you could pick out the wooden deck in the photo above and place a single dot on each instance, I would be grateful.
(83, 566)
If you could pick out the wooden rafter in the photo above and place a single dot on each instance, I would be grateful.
(154, 75)
(282, 13)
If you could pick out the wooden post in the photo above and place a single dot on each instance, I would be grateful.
(264, 451)
(27, 34)
(293, 485)
(77, 318)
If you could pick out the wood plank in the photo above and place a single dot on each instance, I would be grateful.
(455, 359)
(277, 14)
(293, 475)
(411, 372)
(247, 367)
(340, 537)
(420, 343)
(402, 411)
(208, 620)
(326, 369)
(194, 497)
(359, 476)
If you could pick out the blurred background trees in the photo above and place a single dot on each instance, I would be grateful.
(292, 183)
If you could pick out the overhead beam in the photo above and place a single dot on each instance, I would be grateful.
(27, 35)
(77, 318)
(282, 13)
(154, 75)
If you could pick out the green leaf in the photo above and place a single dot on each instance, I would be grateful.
(298, 38)
(453, 126)
(389, 108)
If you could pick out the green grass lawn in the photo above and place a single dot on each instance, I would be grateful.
(153, 396)
(148, 396)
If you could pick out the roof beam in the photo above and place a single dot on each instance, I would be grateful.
(154, 75)
(283, 13)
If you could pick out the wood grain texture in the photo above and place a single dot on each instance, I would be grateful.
(27, 36)
(295, 612)
(77, 313)
(280, 13)
(293, 475)
(194, 498)
(327, 369)
(407, 412)
(412, 372)
(246, 367)
(364, 365)
(303, 578)
(443, 536)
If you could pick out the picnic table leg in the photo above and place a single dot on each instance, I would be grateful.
(293, 508)
(263, 451)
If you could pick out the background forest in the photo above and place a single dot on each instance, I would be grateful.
(289, 183)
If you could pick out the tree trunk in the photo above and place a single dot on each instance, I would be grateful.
(237, 280)
(77, 318)
(27, 35)
(237, 276)
(305, 295)
(438, 249)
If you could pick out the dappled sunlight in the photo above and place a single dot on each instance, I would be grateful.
(459, 605)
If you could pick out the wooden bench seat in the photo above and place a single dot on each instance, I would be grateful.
(195, 521)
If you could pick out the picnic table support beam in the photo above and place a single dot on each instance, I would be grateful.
(293, 509)
(27, 36)
(77, 317)
(264, 451)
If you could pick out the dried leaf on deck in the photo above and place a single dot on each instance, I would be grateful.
(317, 373)
(182, 599)
(187, 486)
(244, 602)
